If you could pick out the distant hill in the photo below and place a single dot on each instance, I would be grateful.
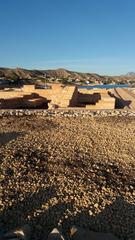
(62, 74)
(58, 73)
(131, 74)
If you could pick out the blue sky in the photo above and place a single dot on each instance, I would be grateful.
(82, 35)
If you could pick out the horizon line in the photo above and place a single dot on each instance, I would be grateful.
(62, 68)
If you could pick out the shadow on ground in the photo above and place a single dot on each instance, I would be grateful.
(9, 136)
(117, 218)
(119, 102)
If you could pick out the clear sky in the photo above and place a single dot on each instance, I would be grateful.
(82, 35)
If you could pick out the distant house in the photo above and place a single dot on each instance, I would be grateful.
(87, 82)
(70, 80)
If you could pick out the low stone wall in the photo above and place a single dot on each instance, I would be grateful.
(67, 113)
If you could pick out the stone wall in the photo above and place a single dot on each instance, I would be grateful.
(61, 96)
(68, 113)
(96, 99)
(58, 96)
(85, 98)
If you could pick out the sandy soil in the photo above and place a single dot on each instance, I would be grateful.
(65, 171)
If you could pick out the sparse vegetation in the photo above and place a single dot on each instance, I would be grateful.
(61, 75)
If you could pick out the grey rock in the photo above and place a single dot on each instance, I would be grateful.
(19, 233)
(55, 235)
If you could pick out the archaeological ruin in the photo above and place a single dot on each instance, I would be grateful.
(55, 96)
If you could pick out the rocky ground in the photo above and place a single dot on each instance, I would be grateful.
(60, 171)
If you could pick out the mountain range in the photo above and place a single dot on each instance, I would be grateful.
(19, 73)
(131, 74)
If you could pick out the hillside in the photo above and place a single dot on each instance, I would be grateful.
(131, 74)
(58, 73)
(19, 73)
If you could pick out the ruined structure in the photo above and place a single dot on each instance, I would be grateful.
(55, 96)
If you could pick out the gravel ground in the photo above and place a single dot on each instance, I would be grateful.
(58, 171)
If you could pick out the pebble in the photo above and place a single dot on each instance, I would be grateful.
(60, 171)
(68, 113)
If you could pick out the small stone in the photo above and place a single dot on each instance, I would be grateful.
(20, 233)
(55, 235)
(90, 213)
(96, 205)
